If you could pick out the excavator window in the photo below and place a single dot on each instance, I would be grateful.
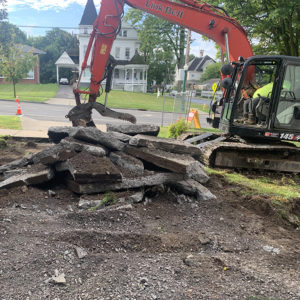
(288, 108)
(255, 93)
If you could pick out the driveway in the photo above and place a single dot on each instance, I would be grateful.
(65, 91)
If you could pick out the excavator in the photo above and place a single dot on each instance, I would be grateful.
(265, 142)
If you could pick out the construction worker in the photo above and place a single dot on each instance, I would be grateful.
(251, 104)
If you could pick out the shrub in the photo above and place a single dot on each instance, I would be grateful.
(177, 129)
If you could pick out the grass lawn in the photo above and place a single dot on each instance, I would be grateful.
(130, 100)
(280, 189)
(29, 92)
(10, 122)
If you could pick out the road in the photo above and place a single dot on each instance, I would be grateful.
(52, 112)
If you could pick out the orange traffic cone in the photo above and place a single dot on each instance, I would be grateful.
(19, 112)
(17, 99)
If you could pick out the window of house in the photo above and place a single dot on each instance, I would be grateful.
(127, 53)
(117, 73)
(125, 33)
(141, 75)
(117, 52)
(120, 33)
(30, 75)
(135, 75)
(85, 30)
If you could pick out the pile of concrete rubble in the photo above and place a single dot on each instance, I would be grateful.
(125, 158)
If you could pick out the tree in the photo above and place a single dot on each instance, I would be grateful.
(161, 41)
(273, 25)
(15, 64)
(10, 35)
(54, 43)
(3, 12)
(211, 71)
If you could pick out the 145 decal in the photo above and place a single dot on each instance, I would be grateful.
(289, 137)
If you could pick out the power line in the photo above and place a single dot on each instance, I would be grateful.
(34, 26)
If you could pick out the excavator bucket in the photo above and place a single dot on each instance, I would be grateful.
(81, 114)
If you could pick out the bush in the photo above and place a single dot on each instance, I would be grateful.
(177, 129)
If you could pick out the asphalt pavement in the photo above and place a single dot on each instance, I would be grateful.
(36, 117)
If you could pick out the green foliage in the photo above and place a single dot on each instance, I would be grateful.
(15, 64)
(3, 11)
(273, 25)
(211, 71)
(54, 43)
(108, 199)
(177, 129)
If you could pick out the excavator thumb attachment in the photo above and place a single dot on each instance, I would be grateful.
(81, 114)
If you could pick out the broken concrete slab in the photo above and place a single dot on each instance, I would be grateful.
(121, 136)
(16, 164)
(96, 136)
(149, 179)
(79, 146)
(133, 129)
(166, 160)
(198, 173)
(169, 145)
(137, 197)
(128, 162)
(37, 174)
(85, 168)
(57, 133)
(194, 188)
(54, 154)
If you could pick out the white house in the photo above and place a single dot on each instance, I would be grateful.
(195, 69)
(130, 73)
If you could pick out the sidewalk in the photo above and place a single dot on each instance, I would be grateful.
(37, 129)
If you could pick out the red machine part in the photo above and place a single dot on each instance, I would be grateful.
(197, 16)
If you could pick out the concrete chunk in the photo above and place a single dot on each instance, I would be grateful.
(169, 145)
(16, 164)
(86, 168)
(79, 146)
(127, 183)
(57, 133)
(198, 173)
(54, 154)
(133, 129)
(35, 175)
(96, 136)
(128, 162)
(170, 161)
(192, 187)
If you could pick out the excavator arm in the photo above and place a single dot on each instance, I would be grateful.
(195, 15)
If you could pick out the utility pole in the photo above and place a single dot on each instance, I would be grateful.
(187, 55)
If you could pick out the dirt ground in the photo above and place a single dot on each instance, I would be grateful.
(169, 247)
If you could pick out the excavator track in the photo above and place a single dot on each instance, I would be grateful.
(222, 152)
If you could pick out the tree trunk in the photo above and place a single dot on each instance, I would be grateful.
(14, 84)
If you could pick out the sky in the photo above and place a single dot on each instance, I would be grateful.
(68, 13)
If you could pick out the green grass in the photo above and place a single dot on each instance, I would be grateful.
(142, 101)
(29, 92)
(164, 133)
(281, 189)
(10, 122)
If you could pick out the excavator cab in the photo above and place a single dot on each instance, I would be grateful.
(262, 98)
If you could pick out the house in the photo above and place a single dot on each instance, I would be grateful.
(33, 76)
(195, 69)
(130, 73)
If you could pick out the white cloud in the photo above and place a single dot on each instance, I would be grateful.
(199, 44)
(13, 5)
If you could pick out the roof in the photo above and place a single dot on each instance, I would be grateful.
(137, 59)
(65, 60)
(27, 49)
(90, 14)
(198, 62)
